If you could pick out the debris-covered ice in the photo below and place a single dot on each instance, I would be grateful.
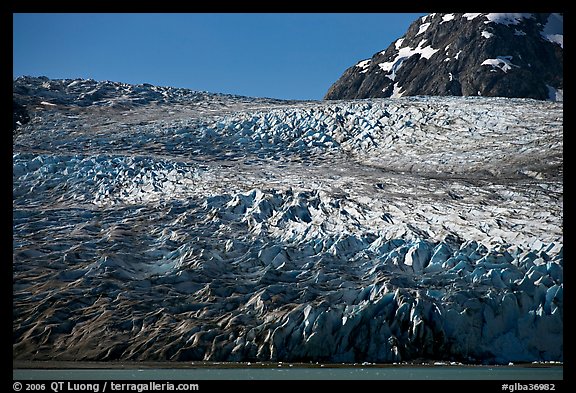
(212, 227)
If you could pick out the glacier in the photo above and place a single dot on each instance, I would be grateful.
(157, 223)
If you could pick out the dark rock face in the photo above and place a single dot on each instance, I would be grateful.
(20, 115)
(505, 55)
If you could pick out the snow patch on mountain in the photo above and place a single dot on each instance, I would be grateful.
(422, 28)
(507, 18)
(364, 64)
(391, 67)
(487, 34)
(471, 16)
(503, 63)
(397, 92)
(447, 18)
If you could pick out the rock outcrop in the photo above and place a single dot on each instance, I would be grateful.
(505, 55)
(20, 115)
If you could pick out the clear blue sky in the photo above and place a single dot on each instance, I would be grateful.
(290, 56)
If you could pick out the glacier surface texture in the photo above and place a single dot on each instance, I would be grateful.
(154, 223)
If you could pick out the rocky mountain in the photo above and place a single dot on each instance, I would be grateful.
(494, 54)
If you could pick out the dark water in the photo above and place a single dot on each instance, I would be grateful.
(287, 372)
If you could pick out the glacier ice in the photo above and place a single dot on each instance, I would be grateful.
(375, 230)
